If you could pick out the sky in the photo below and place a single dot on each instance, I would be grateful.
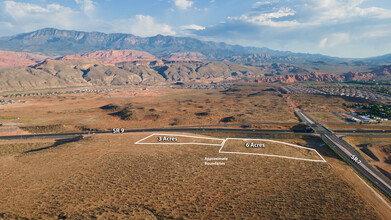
(342, 28)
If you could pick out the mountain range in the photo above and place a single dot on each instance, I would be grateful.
(90, 72)
(50, 58)
(54, 42)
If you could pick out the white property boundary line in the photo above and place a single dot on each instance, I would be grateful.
(180, 135)
(243, 139)
(271, 155)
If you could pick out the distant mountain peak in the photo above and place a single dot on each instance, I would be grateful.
(56, 42)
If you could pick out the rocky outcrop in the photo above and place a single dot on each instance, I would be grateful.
(81, 72)
(63, 73)
(383, 71)
(319, 77)
(114, 56)
(54, 42)
(185, 56)
(12, 59)
(260, 58)
(355, 76)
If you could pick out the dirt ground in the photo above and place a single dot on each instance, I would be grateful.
(321, 103)
(376, 150)
(146, 108)
(269, 148)
(325, 117)
(108, 176)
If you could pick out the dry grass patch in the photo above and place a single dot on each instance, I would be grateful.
(7, 149)
(56, 128)
(166, 138)
(153, 107)
(269, 148)
(107, 175)
(358, 127)
(376, 150)
(310, 102)
(325, 117)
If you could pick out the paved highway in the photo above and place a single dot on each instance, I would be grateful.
(199, 128)
(175, 129)
(349, 153)
(344, 149)
(363, 131)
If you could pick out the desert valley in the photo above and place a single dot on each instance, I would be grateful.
(115, 126)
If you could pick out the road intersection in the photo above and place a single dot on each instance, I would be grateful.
(349, 154)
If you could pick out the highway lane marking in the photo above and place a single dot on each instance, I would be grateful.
(340, 146)
(223, 141)
(361, 164)
(305, 117)
(347, 152)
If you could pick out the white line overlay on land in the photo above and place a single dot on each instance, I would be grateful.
(180, 135)
(270, 155)
(223, 141)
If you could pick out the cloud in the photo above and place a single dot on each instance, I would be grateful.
(268, 19)
(323, 42)
(187, 30)
(16, 17)
(334, 27)
(142, 25)
(6, 24)
(260, 3)
(283, 13)
(334, 40)
(348, 10)
(25, 16)
(192, 27)
(88, 6)
(183, 4)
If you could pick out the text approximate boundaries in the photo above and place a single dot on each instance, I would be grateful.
(227, 152)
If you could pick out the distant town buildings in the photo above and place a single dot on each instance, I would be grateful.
(7, 102)
(353, 92)
(78, 91)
